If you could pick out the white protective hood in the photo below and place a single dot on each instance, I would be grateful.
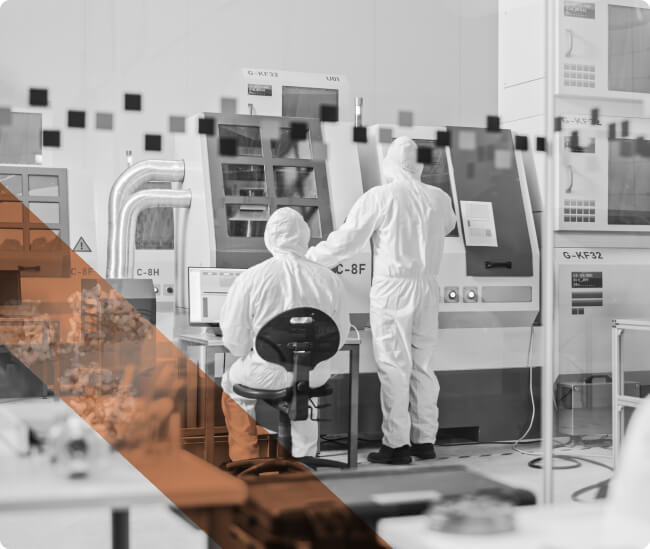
(287, 233)
(400, 163)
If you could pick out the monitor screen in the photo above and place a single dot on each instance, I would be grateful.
(208, 288)
(629, 184)
(436, 173)
(629, 49)
(306, 102)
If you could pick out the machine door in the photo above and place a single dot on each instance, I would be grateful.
(256, 167)
(486, 177)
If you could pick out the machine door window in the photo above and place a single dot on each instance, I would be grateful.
(436, 173)
(244, 180)
(629, 49)
(11, 187)
(248, 139)
(285, 147)
(247, 220)
(629, 184)
(295, 182)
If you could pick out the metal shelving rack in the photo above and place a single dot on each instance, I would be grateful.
(620, 401)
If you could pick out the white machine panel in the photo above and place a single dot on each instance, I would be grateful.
(604, 48)
(286, 93)
(604, 183)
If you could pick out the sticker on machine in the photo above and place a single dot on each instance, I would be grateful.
(81, 246)
(478, 224)
(583, 10)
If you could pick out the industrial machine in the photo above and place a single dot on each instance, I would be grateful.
(489, 278)
(234, 194)
(490, 269)
(602, 244)
(245, 167)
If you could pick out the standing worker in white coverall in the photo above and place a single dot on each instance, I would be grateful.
(285, 281)
(407, 222)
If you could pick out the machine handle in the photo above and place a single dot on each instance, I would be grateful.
(29, 268)
(498, 264)
(569, 189)
(569, 52)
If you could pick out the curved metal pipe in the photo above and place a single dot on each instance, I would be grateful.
(126, 223)
(130, 181)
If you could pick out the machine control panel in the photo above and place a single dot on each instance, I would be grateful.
(604, 182)
(601, 52)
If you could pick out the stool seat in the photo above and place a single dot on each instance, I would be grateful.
(272, 395)
(275, 395)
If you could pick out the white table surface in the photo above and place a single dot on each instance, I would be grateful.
(562, 526)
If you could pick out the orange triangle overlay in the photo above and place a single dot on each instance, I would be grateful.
(133, 386)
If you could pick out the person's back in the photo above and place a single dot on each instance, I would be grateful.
(285, 281)
(406, 220)
(412, 210)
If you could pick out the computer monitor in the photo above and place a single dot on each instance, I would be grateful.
(208, 288)
(10, 287)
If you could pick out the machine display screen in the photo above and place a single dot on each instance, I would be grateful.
(629, 49)
(629, 184)
(306, 102)
(436, 173)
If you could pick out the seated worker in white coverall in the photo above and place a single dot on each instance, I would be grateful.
(285, 281)
(406, 221)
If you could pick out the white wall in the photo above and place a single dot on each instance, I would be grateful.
(437, 58)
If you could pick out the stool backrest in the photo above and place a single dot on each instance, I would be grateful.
(303, 328)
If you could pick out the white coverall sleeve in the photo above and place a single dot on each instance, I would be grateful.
(236, 324)
(450, 217)
(349, 238)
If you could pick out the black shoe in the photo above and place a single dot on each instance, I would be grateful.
(423, 451)
(391, 456)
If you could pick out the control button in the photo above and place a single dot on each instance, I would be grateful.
(470, 295)
(451, 294)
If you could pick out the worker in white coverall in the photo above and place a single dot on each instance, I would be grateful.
(406, 221)
(285, 281)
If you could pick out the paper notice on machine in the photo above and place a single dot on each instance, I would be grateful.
(478, 224)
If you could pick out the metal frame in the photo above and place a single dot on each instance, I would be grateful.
(268, 162)
(548, 249)
(26, 225)
(620, 400)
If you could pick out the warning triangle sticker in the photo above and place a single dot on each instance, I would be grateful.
(81, 246)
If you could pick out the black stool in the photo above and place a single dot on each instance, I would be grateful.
(299, 340)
